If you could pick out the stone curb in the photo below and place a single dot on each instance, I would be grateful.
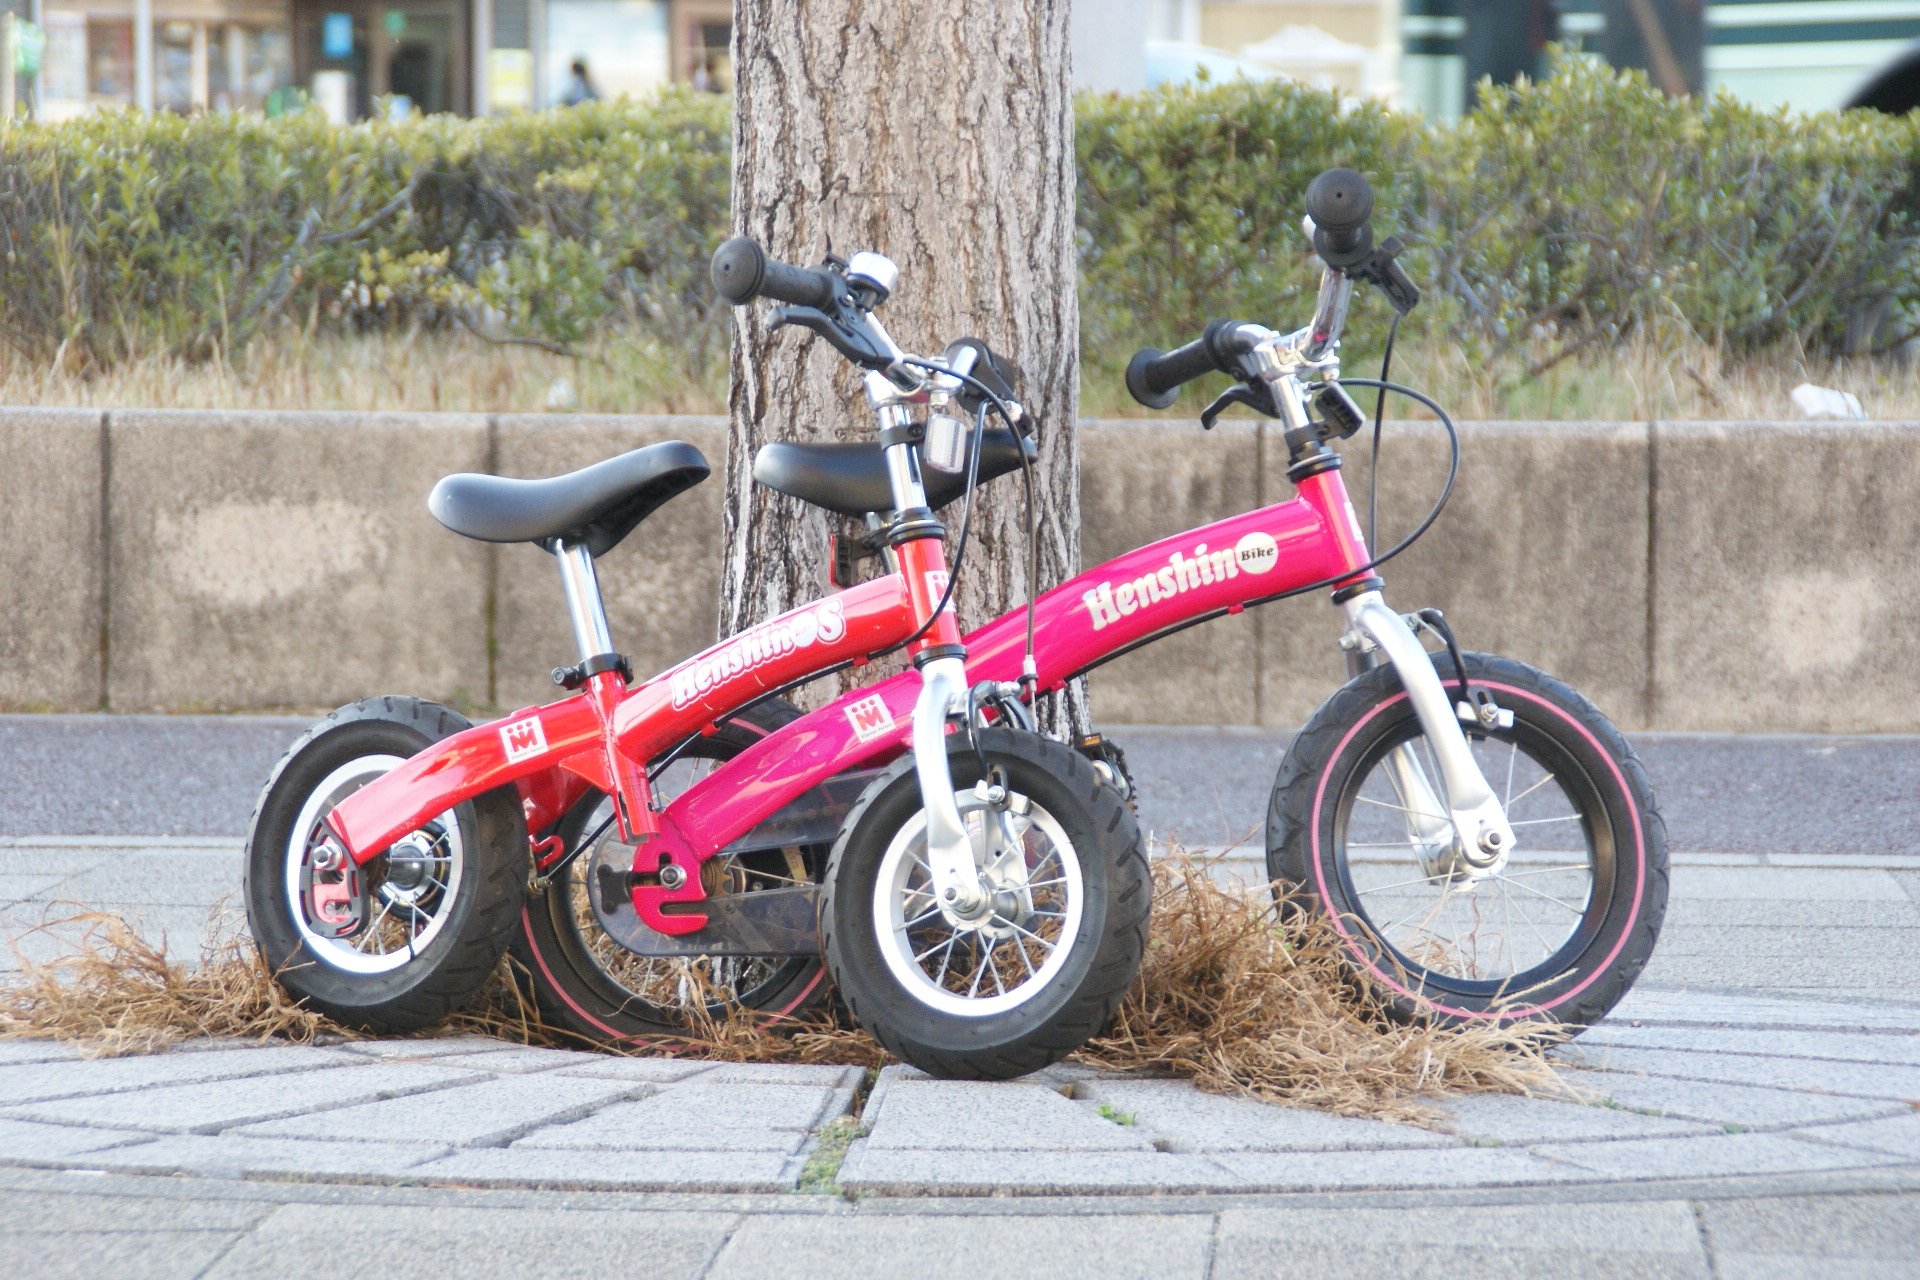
(240, 560)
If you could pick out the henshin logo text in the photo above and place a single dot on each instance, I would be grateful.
(1255, 553)
(823, 622)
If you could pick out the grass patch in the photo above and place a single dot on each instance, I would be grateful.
(114, 992)
(829, 1153)
(1118, 1117)
(1232, 995)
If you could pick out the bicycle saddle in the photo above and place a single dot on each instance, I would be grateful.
(852, 478)
(597, 505)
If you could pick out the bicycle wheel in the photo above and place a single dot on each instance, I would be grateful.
(1042, 970)
(1559, 931)
(433, 912)
(589, 986)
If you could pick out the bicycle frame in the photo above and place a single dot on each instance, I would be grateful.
(602, 738)
(605, 737)
(556, 753)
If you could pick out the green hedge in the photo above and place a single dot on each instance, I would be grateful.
(130, 234)
(1559, 216)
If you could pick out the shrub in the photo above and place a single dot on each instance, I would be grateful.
(129, 234)
(1558, 217)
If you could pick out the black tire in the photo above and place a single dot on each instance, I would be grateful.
(460, 928)
(1572, 781)
(1068, 1006)
(589, 988)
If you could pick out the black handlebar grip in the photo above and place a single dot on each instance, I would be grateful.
(742, 271)
(1340, 202)
(1154, 377)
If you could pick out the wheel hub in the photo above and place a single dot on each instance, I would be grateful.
(410, 869)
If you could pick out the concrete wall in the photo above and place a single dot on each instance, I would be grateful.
(1752, 577)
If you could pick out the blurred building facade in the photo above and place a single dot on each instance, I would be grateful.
(484, 56)
(1809, 54)
(463, 56)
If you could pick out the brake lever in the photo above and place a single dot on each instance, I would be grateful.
(1383, 270)
(859, 347)
(1238, 393)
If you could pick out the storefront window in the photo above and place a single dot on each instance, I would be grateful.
(712, 63)
(269, 64)
(622, 44)
(63, 66)
(173, 66)
(110, 64)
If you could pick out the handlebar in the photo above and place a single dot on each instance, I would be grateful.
(1340, 212)
(742, 271)
(1154, 377)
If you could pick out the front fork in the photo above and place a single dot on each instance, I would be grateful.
(1474, 837)
(950, 854)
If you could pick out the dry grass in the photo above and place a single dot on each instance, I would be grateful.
(115, 993)
(1682, 382)
(1230, 996)
(1240, 998)
(621, 372)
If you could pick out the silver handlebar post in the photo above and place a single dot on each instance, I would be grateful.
(1329, 315)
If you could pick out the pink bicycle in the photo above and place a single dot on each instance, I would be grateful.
(1483, 839)
(1488, 851)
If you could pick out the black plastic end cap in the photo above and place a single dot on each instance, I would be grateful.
(1339, 200)
(1137, 380)
(739, 267)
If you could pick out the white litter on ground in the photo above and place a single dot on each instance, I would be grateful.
(1825, 402)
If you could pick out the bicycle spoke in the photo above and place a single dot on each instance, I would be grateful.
(1382, 888)
(1418, 813)
(1578, 911)
(951, 939)
(1529, 791)
(940, 979)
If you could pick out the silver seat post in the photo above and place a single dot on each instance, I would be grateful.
(584, 606)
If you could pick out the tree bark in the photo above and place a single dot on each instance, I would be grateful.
(939, 133)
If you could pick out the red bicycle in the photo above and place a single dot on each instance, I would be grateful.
(985, 901)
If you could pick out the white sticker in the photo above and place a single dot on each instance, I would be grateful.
(523, 738)
(937, 580)
(1257, 553)
(1353, 523)
(870, 718)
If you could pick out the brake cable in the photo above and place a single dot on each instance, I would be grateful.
(1379, 414)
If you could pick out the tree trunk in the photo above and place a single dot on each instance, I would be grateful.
(939, 133)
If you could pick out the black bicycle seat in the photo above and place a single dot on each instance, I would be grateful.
(597, 505)
(852, 478)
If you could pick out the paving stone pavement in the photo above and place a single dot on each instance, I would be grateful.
(1674, 1087)
(1752, 1110)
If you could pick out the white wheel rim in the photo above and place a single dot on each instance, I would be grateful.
(904, 943)
(341, 953)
